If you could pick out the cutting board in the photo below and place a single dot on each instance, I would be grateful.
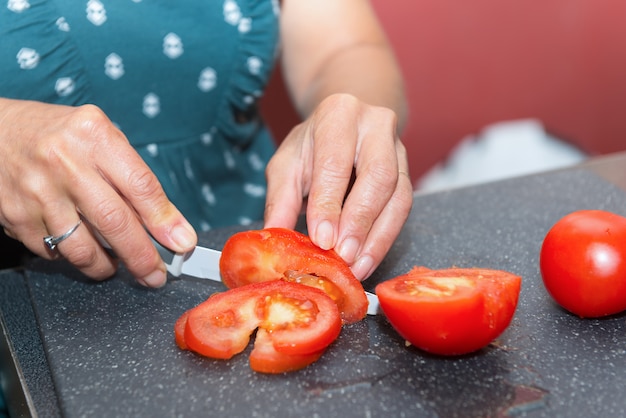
(111, 352)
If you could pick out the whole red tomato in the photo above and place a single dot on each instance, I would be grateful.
(583, 263)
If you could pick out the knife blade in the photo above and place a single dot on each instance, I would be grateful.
(204, 263)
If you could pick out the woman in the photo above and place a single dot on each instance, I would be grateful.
(100, 99)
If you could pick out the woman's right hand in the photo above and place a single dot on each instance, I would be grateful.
(59, 164)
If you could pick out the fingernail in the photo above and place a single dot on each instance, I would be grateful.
(155, 279)
(363, 266)
(325, 235)
(184, 236)
(348, 249)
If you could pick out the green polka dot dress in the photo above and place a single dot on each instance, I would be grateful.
(180, 78)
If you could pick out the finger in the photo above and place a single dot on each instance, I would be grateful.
(79, 247)
(335, 147)
(132, 178)
(59, 215)
(287, 181)
(388, 224)
(47, 210)
(376, 179)
(119, 226)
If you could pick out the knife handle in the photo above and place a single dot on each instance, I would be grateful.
(173, 261)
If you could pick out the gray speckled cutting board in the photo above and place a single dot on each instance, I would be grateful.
(111, 350)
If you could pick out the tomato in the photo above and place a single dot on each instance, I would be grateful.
(179, 331)
(295, 325)
(277, 253)
(451, 311)
(583, 263)
(264, 357)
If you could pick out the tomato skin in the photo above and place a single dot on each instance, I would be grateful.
(278, 253)
(264, 357)
(450, 311)
(583, 263)
(179, 331)
(298, 321)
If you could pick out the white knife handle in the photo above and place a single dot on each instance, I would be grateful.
(173, 261)
(373, 308)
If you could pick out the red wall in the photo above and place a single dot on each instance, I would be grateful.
(473, 62)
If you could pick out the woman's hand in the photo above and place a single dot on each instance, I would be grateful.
(359, 217)
(61, 164)
(343, 77)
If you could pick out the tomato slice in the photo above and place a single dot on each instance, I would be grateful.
(179, 330)
(220, 327)
(450, 311)
(277, 253)
(264, 357)
(299, 321)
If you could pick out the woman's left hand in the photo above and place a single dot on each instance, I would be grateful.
(348, 164)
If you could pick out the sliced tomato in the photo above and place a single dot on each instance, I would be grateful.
(220, 327)
(298, 320)
(450, 311)
(277, 253)
(179, 330)
(264, 358)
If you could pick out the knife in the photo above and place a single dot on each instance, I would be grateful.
(204, 263)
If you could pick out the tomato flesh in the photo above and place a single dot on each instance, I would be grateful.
(583, 263)
(264, 357)
(298, 321)
(450, 311)
(277, 253)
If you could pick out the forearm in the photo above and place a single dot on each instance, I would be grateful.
(367, 71)
(339, 47)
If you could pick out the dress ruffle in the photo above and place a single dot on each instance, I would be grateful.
(218, 178)
(238, 117)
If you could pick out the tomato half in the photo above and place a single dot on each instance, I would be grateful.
(583, 263)
(451, 311)
(299, 321)
(277, 253)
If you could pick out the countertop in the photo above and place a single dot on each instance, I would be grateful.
(79, 348)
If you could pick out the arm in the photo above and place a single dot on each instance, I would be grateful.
(339, 47)
(344, 79)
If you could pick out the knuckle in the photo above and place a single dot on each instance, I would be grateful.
(361, 220)
(327, 206)
(405, 199)
(91, 119)
(110, 219)
(142, 261)
(387, 114)
(83, 256)
(381, 175)
(276, 163)
(341, 100)
(143, 184)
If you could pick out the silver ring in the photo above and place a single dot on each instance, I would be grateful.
(52, 241)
